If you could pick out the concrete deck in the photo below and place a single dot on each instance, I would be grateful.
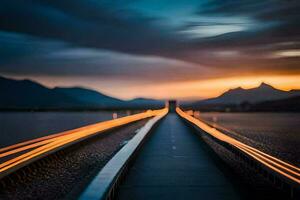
(174, 165)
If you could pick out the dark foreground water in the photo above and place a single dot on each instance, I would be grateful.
(20, 126)
(275, 133)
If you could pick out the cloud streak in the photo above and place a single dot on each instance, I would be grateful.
(149, 40)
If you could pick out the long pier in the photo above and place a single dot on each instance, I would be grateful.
(164, 160)
(172, 164)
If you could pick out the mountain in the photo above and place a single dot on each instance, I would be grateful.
(90, 98)
(95, 99)
(144, 102)
(27, 94)
(239, 95)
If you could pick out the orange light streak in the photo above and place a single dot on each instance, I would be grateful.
(49, 144)
(285, 169)
(260, 152)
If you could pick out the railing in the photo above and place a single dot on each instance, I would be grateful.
(285, 171)
(104, 184)
(19, 155)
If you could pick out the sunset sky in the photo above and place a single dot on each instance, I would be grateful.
(152, 48)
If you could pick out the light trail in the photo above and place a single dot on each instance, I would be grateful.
(284, 169)
(46, 145)
(273, 165)
(257, 151)
(23, 148)
(21, 144)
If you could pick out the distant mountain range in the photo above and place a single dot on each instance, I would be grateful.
(27, 94)
(245, 97)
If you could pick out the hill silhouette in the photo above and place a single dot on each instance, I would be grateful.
(27, 94)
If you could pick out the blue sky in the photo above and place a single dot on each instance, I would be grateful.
(122, 47)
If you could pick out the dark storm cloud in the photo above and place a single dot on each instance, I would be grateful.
(16, 46)
(264, 9)
(226, 35)
(273, 25)
(101, 63)
(278, 20)
(85, 23)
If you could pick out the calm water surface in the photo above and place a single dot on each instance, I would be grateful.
(274, 133)
(20, 126)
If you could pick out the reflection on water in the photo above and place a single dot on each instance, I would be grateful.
(20, 126)
(274, 133)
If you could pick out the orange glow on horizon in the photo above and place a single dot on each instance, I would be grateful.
(181, 90)
(209, 88)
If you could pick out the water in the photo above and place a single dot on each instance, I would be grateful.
(21, 126)
(275, 133)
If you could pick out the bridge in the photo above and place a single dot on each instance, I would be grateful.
(166, 159)
(174, 165)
